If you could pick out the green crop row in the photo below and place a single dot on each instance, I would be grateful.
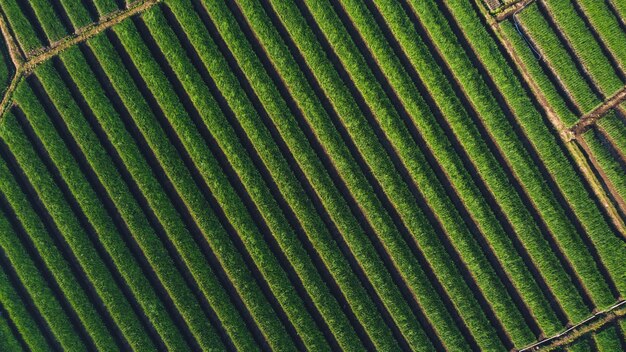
(620, 8)
(415, 162)
(75, 236)
(304, 154)
(139, 110)
(233, 207)
(553, 51)
(380, 162)
(59, 323)
(101, 221)
(224, 193)
(49, 20)
(502, 130)
(469, 137)
(163, 209)
(229, 143)
(8, 340)
(358, 185)
(615, 128)
(280, 171)
(584, 45)
(21, 26)
(608, 339)
(608, 161)
(489, 169)
(607, 27)
(545, 143)
(40, 294)
(128, 208)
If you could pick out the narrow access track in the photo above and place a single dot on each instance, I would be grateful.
(593, 323)
(600, 111)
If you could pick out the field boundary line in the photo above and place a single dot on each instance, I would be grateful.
(597, 113)
(591, 324)
(26, 63)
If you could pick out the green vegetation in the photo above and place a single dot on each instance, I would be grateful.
(308, 175)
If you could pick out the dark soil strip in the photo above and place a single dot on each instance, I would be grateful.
(549, 71)
(451, 193)
(199, 237)
(327, 160)
(14, 331)
(62, 16)
(241, 191)
(60, 244)
(600, 175)
(570, 50)
(495, 151)
(78, 213)
(174, 198)
(537, 161)
(560, 198)
(299, 174)
(120, 224)
(398, 165)
(113, 213)
(92, 10)
(29, 13)
(319, 151)
(611, 7)
(17, 284)
(418, 196)
(622, 335)
(291, 216)
(605, 50)
(465, 159)
(141, 200)
(231, 118)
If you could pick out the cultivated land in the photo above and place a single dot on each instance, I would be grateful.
(315, 175)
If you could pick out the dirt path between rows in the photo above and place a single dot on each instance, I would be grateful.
(600, 111)
(25, 64)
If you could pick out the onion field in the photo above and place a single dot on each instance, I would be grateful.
(320, 175)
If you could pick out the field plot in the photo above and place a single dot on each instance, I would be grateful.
(309, 175)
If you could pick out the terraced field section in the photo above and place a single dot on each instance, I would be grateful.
(290, 175)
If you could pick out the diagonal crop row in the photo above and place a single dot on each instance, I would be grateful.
(80, 121)
(349, 170)
(277, 170)
(216, 134)
(450, 161)
(600, 233)
(280, 114)
(424, 178)
(586, 48)
(39, 23)
(180, 246)
(350, 112)
(478, 150)
(36, 313)
(212, 183)
(498, 119)
(60, 317)
(123, 260)
(79, 239)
